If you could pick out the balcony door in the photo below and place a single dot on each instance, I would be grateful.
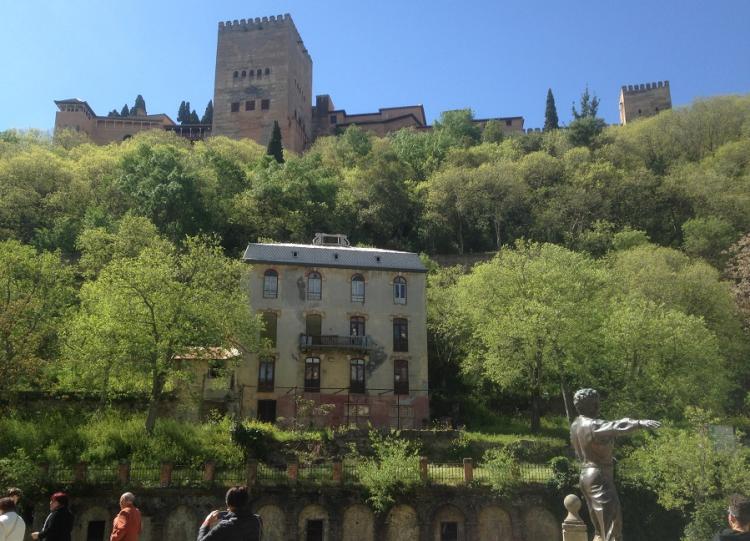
(313, 325)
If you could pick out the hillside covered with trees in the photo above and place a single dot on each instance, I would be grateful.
(622, 262)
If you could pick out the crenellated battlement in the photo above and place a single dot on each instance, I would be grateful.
(253, 24)
(643, 87)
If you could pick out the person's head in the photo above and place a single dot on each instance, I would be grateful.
(126, 500)
(15, 494)
(58, 500)
(739, 513)
(237, 497)
(7, 505)
(586, 402)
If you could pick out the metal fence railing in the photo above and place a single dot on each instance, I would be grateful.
(347, 472)
(445, 474)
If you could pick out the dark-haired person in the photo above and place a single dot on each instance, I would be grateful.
(738, 517)
(59, 523)
(236, 524)
(15, 494)
(12, 527)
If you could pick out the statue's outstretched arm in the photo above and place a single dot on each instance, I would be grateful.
(622, 426)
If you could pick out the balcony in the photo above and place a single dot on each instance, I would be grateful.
(308, 342)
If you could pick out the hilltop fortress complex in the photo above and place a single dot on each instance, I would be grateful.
(264, 74)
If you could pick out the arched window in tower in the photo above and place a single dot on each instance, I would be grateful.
(236, 74)
(244, 73)
(258, 73)
(358, 288)
(314, 286)
(268, 71)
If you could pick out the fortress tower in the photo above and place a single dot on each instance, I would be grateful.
(263, 74)
(643, 100)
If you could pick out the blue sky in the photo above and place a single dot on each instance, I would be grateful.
(496, 57)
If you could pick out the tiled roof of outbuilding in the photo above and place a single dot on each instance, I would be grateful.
(333, 256)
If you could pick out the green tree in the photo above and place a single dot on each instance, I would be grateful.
(586, 126)
(691, 472)
(275, 147)
(589, 105)
(534, 312)
(550, 113)
(37, 291)
(194, 117)
(183, 113)
(143, 313)
(659, 360)
(125, 111)
(162, 185)
(709, 238)
(493, 132)
(458, 127)
(113, 113)
(208, 114)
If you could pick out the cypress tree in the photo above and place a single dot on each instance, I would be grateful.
(208, 115)
(140, 103)
(183, 115)
(275, 147)
(193, 119)
(113, 113)
(550, 113)
(125, 111)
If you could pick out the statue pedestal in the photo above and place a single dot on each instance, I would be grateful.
(573, 528)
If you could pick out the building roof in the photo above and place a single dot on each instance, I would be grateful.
(333, 256)
(75, 101)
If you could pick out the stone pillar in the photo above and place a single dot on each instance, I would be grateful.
(123, 472)
(573, 528)
(165, 475)
(423, 469)
(251, 472)
(338, 472)
(79, 472)
(209, 471)
(468, 470)
(292, 471)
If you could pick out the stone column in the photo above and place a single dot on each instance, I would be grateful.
(209, 471)
(573, 528)
(251, 472)
(79, 472)
(292, 471)
(468, 470)
(165, 475)
(123, 472)
(423, 474)
(338, 472)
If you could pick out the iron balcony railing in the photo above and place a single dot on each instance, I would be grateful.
(332, 341)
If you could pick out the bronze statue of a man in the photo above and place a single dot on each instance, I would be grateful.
(593, 440)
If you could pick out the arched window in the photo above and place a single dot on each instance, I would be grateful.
(268, 71)
(399, 290)
(236, 74)
(358, 288)
(270, 284)
(312, 374)
(258, 72)
(357, 376)
(314, 286)
(244, 73)
(400, 376)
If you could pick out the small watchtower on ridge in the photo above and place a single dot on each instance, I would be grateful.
(643, 100)
(263, 74)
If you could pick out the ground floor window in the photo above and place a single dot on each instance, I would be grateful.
(314, 530)
(312, 375)
(449, 531)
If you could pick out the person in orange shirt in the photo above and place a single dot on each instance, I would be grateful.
(127, 523)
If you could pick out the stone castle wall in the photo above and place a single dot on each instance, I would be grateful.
(288, 512)
(263, 74)
(644, 100)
